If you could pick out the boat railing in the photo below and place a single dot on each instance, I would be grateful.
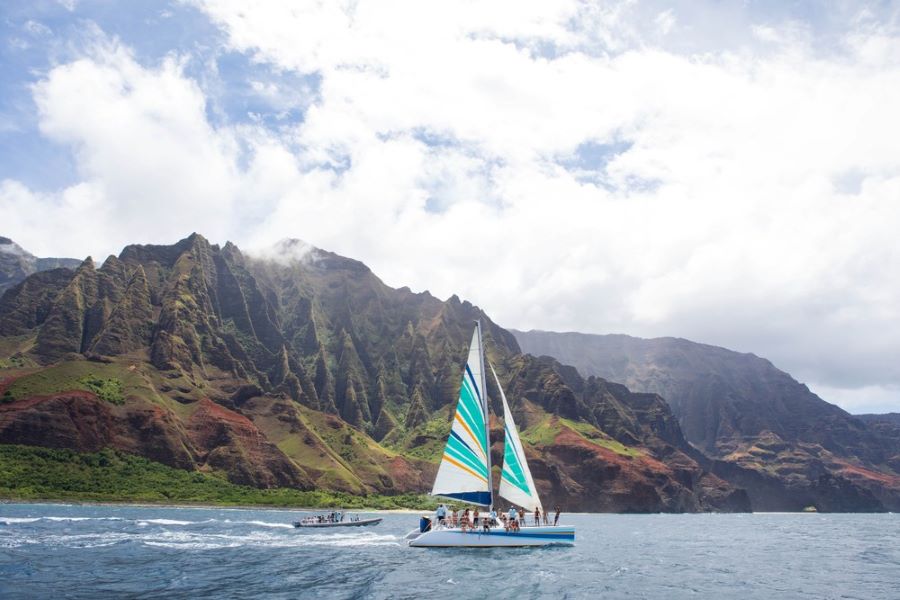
(497, 524)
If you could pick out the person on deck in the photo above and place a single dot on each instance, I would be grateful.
(537, 516)
(522, 514)
(493, 517)
(454, 517)
(475, 518)
(464, 520)
(556, 518)
(441, 513)
(513, 514)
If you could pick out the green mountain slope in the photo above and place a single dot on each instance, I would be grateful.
(307, 372)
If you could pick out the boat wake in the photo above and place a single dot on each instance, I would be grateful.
(183, 535)
(145, 522)
(192, 541)
(12, 520)
(261, 524)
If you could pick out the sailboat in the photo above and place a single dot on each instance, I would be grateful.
(464, 474)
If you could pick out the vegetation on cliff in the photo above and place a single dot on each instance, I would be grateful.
(31, 473)
(305, 371)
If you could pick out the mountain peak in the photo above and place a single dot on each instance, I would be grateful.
(16, 263)
(7, 246)
(290, 250)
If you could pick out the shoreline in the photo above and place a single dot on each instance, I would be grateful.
(383, 511)
(206, 506)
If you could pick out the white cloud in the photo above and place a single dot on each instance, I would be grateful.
(36, 28)
(748, 196)
(151, 165)
(866, 399)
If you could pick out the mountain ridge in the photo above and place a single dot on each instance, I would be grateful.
(16, 263)
(310, 372)
(740, 409)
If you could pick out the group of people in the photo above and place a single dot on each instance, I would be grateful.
(512, 520)
(332, 517)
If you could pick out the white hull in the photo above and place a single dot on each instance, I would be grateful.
(561, 535)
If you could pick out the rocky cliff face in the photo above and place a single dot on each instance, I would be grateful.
(741, 410)
(306, 370)
(16, 264)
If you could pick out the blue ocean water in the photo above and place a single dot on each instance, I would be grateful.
(73, 551)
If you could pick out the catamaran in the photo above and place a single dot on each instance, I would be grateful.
(465, 471)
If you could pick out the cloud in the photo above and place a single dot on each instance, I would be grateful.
(151, 166)
(866, 399)
(575, 167)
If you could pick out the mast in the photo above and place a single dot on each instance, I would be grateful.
(487, 416)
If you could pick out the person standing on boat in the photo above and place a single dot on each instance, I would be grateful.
(493, 516)
(556, 518)
(537, 516)
(475, 518)
(522, 514)
(441, 513)
(512, 515)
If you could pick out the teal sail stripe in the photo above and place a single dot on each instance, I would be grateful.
(471, 436)
(512, 465)
(482, 421)
(521, 486)
(472, 414)
(464, 455)
(465, 460)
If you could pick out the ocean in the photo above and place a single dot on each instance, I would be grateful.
(90, 551)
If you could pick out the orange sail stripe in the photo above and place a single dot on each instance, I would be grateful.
(463, 467)
(469, 431)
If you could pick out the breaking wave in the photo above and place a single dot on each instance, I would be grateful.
(261, 524)
(144, 522)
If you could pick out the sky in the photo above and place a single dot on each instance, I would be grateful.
(727, 172)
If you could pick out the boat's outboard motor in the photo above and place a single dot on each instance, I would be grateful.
(424, 524)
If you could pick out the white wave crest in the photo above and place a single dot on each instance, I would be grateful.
(264, 524)
(144, 522)
(191, 545)
(83, 518)
(207, 541)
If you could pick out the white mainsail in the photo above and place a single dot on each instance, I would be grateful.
(516, 484)
(465, 469)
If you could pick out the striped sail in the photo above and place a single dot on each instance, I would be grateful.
(465, 472)
(516, 484)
